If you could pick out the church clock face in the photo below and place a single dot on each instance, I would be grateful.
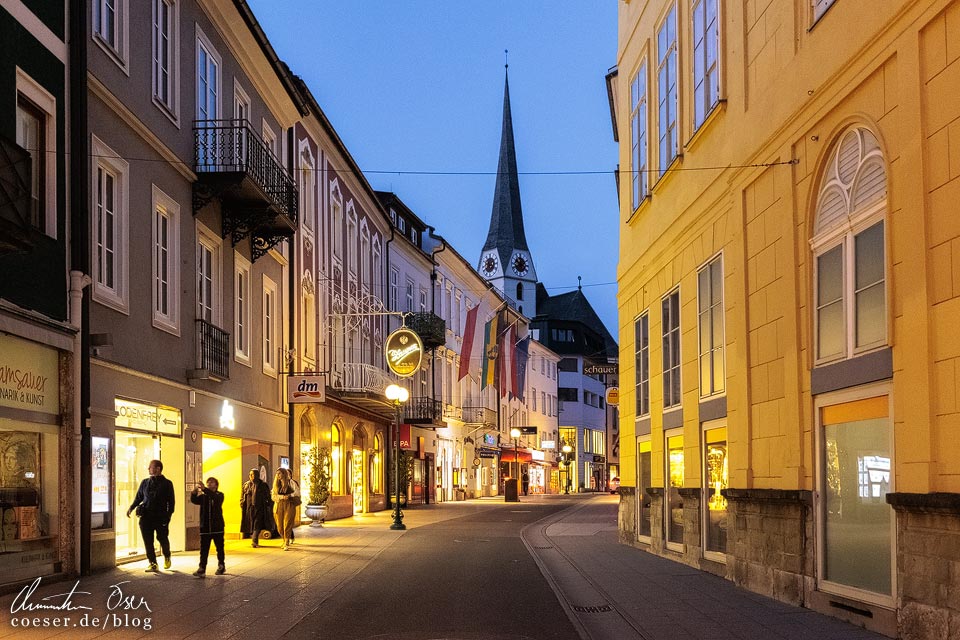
(520, 265)
(489, 265)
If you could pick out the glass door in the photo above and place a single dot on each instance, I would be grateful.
(134, 451)
(357, 475)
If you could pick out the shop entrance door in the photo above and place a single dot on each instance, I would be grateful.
(134, 451)
(357, 476)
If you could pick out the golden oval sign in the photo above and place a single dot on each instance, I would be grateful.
(613, 396)
(404, 352)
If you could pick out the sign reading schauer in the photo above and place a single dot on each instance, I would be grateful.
(29, 375)
(404, 352)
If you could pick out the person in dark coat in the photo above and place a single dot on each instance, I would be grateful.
(154, 504)
(255, 503)
(211, 524)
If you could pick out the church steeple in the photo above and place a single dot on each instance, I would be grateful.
(505, 259)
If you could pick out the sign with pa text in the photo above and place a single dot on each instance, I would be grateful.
(306, 388)
(404, 352)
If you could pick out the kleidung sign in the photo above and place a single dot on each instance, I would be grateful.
(404, 352)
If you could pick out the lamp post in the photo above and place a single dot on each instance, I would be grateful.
(566, 461)
(515, 434)
(398, 395)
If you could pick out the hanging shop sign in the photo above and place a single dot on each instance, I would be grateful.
(483, 452)
(548, 444)
(404, 352)
(538, 455)
(147, 417)
(490, 439)
(613, 396)
(29, 375)
(227, 420)
(308, 388)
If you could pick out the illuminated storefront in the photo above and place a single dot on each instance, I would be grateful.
(674, 502)
(30, 450)
(716, 475)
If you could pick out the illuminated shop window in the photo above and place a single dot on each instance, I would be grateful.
(716, 478)
(376, 466)
(674, 503)
(336, 452)
(643, 483)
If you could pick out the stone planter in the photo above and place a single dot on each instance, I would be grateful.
(317, 513)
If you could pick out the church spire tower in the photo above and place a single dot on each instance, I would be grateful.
(505, 260)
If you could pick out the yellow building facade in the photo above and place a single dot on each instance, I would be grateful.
(789, 299)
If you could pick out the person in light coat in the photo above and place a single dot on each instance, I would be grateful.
(286, 499)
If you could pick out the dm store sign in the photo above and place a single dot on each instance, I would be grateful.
(29, 376)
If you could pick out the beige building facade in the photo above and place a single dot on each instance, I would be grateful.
(789, 292)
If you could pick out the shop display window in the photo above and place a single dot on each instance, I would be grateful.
(101, 495)
(716, 478)
(29, 520)
(643, 483)
(674, 503)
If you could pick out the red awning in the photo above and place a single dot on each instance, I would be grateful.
(506, 455)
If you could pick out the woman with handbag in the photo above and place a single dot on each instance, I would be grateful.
(286, 499)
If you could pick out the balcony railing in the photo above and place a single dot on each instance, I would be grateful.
(213, 350)
(430, 327)
(360, 377)
(479, 416)
(235, 165)
(452, 412)
(423, 410)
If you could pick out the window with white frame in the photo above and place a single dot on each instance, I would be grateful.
(165, 48)
(534, 400)
(849, 250)
(271, 344)
(36, 132)
(241, 314)
(710, 321)
(364, 255)
(820, 7)
(458, 298)
(110, 28)
(423, 300)
(336, 206)
(110, 220)
(308, 189)
(270, 139)
(706, 70)
(351, 249)
(667, 90)
(670, 326)
(641, 331)
(409, 296)
(394, 299)
(638, 134)
(377, 267)
(208, 276)
(208, 79)
(309, 339)
(166, 262)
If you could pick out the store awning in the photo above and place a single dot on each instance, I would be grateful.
(507, 455)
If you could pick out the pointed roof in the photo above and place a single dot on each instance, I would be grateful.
(573, 306)
(506, 221)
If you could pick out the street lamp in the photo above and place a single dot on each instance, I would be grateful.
(398, 395)
(566, 461)
(515, 433)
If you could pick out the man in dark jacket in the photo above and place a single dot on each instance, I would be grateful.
(155, 500)
(211, 524)
(256, 506)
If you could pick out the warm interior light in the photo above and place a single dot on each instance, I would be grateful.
(396, 393)
(514, 433)
(567, 448)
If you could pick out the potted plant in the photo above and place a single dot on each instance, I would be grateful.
(406, 472)
(318, 483)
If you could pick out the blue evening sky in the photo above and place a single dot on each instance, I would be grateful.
(417, 85)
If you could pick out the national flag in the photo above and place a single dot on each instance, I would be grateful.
(523, 355)
(490, 352)
(469, 342)
(508, 361)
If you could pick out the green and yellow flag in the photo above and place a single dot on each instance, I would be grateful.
(491, 352)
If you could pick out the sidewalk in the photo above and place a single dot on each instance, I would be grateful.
(615, 591)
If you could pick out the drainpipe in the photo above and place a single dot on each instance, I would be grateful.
(292, 322)
(433, 305)
(393, 426)
(79, 171)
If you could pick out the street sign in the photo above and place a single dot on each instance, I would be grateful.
(404, 352)
(306, 388)
(487, 453)
(528, 431)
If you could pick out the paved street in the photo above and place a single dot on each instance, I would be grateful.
(549, 567)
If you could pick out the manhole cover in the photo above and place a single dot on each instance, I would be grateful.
(604, 608)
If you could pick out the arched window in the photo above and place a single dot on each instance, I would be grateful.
(850, 299)
(336, 459)
(519, 291)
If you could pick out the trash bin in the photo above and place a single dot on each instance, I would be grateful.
(510, 490)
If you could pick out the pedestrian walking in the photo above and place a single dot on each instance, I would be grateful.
(525, 483)
(154, 505)
(211, 524)
(286, 499)
(255, 502)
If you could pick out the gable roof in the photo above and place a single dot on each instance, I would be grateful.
(573, 306)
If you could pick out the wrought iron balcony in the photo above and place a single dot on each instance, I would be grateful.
(479, 416)
(430, 327)
(452, 412)
(258, 195)
(360, 377)
(213, 352)
(423, 411)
